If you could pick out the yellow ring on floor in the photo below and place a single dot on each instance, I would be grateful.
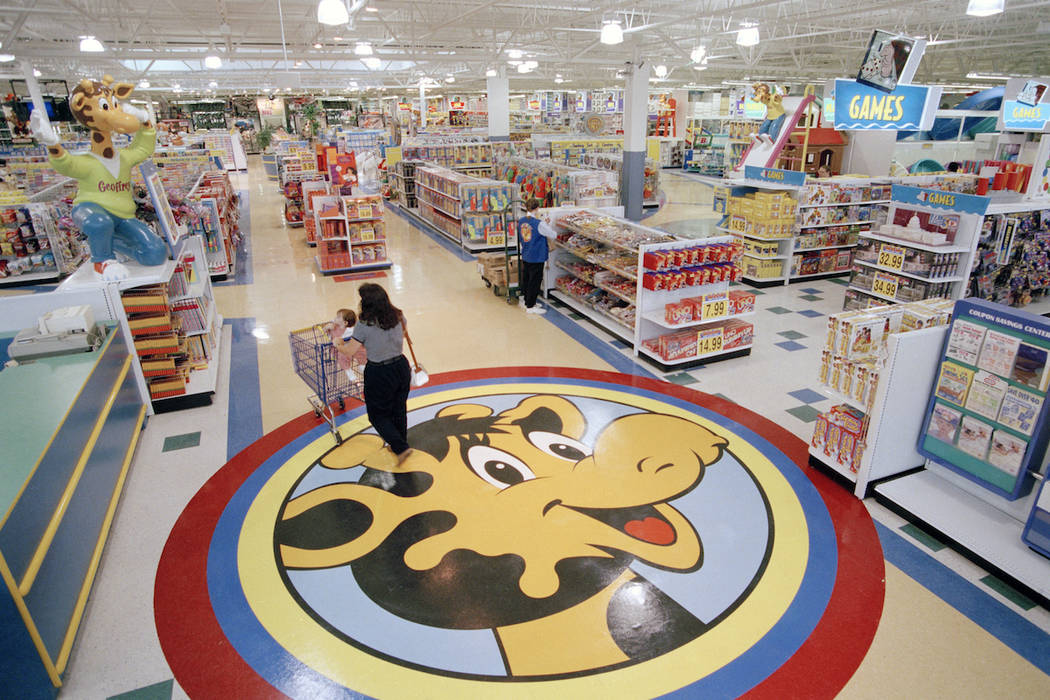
(302, 637)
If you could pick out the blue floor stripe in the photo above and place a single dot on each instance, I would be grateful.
(1013, 630)
(245, 273)
(620, 362)
(436, 237)
(244, 422)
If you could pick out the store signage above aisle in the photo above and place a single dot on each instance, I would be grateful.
(863, 107)
(1026, 105)
(987, 416)
(939, 199)
(775, 176)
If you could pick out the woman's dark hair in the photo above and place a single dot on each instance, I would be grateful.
(376, 309)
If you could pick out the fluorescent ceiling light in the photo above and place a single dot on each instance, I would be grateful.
(559, 80)
(514, 53)
(6, 58)
(661, 71)
(337, 38)
(143, 84)
(984, 8)
(363, 48)
(515, 63)
(698, 54)
(490, 73)
(532, 64)
(700, 66)
(450, 79)
(371, 9)
(986, 76)
(37, 74)
(748, 34)
(89, 44)
(612, 33)
(213, 84)
(524, 68)
(372, 62)
(317, 45)
(212, 60)
(332, 12)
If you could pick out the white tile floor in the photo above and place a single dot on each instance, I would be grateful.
(118, 651)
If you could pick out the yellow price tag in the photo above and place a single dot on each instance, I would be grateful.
(497, 239)
(885, 285)
(709, 341)
(891, 256)
(715, 306)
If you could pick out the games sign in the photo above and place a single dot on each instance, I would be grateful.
(1026, 105)
(863, 107)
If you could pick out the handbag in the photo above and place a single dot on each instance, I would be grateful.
(419, 375)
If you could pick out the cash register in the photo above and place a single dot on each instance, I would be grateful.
(64, 331)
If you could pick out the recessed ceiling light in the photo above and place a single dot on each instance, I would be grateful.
(559, 80)
(698, 54)
(514, 53)
(371, 9)
(363, 48)
(37, 74)
(143, 84)
(6, 58)
(212, 60)
(450, 79)
(490, 73)
(337, 38)
(317, 45)
(213, 84)
(372, 62)
(515, 63)
(660, 71)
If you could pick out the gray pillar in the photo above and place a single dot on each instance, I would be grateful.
(499, 106)
(635, 123)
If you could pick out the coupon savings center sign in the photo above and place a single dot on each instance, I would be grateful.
(862, 107)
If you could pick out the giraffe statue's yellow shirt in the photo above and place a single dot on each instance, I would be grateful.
(97, 183)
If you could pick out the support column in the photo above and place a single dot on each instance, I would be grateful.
(635, 123)
(499, 106)
(422, 106)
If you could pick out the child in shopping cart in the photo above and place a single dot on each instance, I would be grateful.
(341, 327)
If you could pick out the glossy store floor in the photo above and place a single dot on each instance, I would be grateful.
(946, 629)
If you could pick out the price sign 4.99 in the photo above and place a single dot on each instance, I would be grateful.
(891, 256)
(885, 285)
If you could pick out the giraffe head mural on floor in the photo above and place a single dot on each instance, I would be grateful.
(510, 521)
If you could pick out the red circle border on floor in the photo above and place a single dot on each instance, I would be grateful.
(207, 665)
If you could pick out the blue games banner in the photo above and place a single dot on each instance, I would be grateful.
(775, 176)
(939, 199)
(862, 107)
(1026, 105)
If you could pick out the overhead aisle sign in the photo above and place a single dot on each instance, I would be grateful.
(863, 107)
(1026, 105)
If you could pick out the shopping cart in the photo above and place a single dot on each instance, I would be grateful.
(314, 360)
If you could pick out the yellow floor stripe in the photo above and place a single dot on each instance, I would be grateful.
(56, 518)
(96, 556)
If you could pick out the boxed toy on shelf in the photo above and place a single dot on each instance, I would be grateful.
(38, 242)
(853, 363)
(475, 213)
(1012, 266)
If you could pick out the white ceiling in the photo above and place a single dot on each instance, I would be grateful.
(165, 41)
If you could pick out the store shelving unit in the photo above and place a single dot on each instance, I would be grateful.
(175, 366)
(403, 182)
(1013, 254)
(351, 234)
(37, 244)
(761, 216)
(893, 264)
(599, 269)
(220, 227)
(309, 189)
(473, 213)
(560, 185)
(614, 163)
(475, 159)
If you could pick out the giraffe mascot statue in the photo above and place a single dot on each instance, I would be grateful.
(103, 208)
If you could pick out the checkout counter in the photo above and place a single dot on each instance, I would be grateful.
(69, 424)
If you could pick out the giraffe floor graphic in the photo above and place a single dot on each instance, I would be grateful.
(557, 532)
